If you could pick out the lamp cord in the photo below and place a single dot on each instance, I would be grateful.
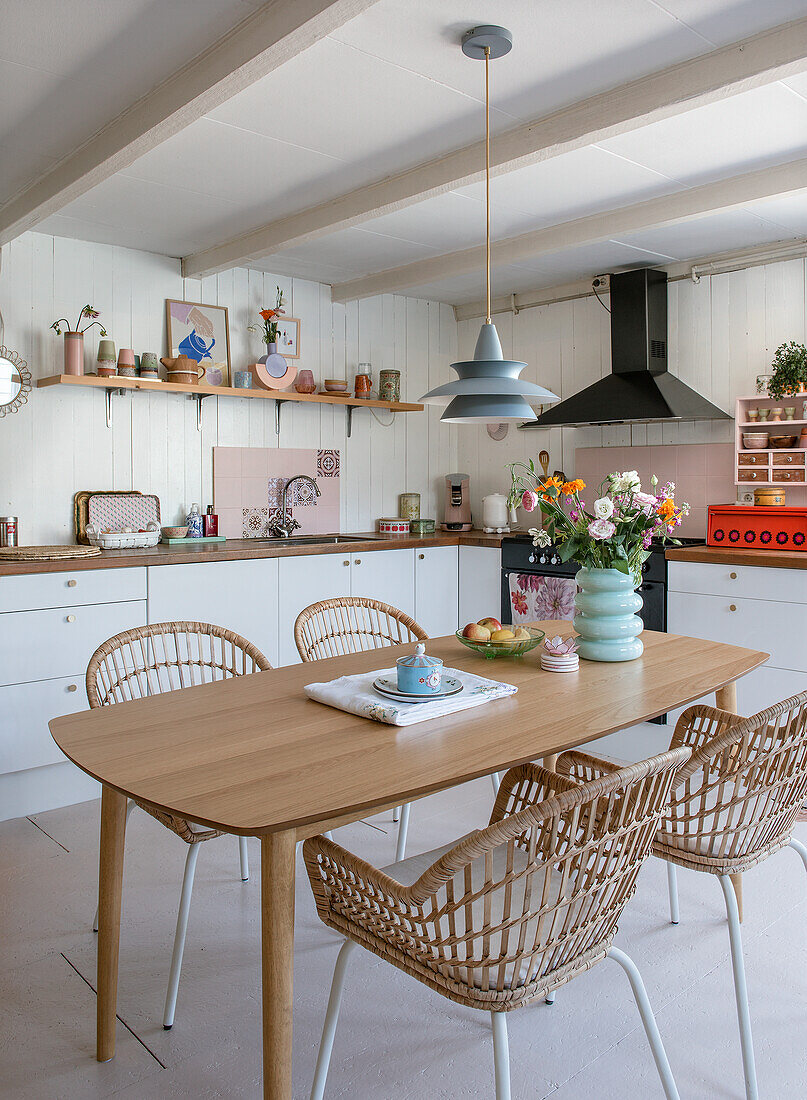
(487, 185)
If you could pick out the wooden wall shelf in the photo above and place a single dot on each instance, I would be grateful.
(200, 392)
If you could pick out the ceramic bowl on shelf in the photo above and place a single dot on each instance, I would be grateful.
(174, 532)
(515, 647)
(755, 441)
(782, 440)
(335, 385)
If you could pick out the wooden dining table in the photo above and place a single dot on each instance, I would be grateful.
(255, 756)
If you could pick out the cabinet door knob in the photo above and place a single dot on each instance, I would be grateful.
(421, 556)
(789, 458)
(72, 584)
(71, 618)
(345, 563)
(733, 576)
(72, 687)
(357, 561)
(732, 607)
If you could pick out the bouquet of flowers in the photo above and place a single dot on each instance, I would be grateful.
(269, 320)
(88, 312)
(616, 532)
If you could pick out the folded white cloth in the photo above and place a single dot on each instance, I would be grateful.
(356, 695)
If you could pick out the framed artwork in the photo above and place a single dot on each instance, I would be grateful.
(202, 333)
(288, 337)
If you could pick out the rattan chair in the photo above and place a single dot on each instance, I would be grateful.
(512, 911)
(734, 804)
(353, 624)
(150, 660)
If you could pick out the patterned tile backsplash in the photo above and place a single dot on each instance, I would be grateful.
(248, 488)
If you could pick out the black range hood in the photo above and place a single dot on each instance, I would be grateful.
(639, 389)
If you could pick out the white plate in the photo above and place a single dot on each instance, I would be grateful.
(384, 686)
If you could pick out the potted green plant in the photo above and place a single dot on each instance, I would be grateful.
(789, 369)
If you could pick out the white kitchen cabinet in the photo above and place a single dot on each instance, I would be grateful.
(26, 709)
(34, 591)
(436, 589)
(386, 575)
(239, 595)
(480, 583)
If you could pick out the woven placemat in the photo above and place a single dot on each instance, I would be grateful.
(46, 553)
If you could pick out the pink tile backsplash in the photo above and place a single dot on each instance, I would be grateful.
(248, 481)
(703, 473)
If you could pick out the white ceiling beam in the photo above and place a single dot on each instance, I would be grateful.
(680, 206)
(266, 39)
(772, 55)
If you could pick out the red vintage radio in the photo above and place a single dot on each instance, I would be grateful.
(757, 528)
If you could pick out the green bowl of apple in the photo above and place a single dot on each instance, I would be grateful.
(491, 639)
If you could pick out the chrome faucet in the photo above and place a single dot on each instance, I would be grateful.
(283, 527)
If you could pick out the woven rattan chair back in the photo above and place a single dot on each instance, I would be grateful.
(351, 624)
(150, 660)
(737, 799)
(519, 907)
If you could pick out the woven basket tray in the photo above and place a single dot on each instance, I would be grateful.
(46, 553)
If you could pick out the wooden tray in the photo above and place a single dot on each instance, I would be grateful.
(46, 553)
(80, 515)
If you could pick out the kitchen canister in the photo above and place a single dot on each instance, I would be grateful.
(106, 361)
(419, 674)
(389, 385)
(421, 527)
(126, 363)
(393, 527)
(9, 531)
(149, 365)
(409, 505)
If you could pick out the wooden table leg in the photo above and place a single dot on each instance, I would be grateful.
(110, 886)
(726, 699)
(550, 762)
(277, 939)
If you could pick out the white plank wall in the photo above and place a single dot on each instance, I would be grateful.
(723, 332)
(59, 443)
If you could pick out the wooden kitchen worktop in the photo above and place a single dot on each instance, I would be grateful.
(237, 549)
(730, 555)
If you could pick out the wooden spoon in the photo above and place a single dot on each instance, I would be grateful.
(543, 458)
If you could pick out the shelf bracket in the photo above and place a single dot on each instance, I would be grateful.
(349, 416)
(277, 418)
(198, 398)
(108, 404)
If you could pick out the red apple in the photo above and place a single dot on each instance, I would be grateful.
(474, 632)
(490, 623)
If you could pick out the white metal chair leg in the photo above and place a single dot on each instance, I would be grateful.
(403, 829)
(179, 936)
(130, 805)
(501, 1055)
(648, 1019)
(244, 856)
(740, 989)
(799, 847)
(331, 1018)
(549, 999)
(496, 779)
(672, 888)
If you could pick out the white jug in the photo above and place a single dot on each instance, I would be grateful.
(494, 510)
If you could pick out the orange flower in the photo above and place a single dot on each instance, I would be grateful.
(666, 509)
(268, 314)
(551, 483)
(572, 487)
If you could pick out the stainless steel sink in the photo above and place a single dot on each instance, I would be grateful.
(313, 540)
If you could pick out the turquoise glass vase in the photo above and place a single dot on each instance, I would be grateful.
(606, 618)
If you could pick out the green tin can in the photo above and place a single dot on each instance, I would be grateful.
(422, 527)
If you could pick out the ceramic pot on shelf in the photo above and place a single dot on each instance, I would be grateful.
(272, 371)
(606, 618)
(74, 353)
(183, 370)
(305, 382)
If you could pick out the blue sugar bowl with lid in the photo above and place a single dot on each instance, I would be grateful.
(419, 674)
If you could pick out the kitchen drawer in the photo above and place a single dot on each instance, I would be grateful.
(41, 645)
(754, 624)
(789, 459)
(25, 740)
(745, 474)
(754, 582)
(780, 474)
(34, 591)
(753, 460)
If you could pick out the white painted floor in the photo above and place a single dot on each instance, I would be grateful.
(395, 1038)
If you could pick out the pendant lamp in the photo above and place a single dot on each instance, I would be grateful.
(488, 387)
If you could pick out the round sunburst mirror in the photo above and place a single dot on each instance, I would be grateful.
(15, 381)
(498, 431)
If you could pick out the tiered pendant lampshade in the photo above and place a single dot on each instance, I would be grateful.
(488, 387)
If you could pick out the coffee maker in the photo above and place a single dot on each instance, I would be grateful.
(458, 504)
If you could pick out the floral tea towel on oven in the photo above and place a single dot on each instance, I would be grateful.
(533, 599)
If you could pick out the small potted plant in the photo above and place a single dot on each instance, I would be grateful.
(789, 371)
(74, 338)
(269, 323)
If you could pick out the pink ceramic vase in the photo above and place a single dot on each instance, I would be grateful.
(74, 353)
(305, 382)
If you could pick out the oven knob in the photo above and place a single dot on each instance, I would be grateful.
(533, 559)
(542, 559)
(554, 560)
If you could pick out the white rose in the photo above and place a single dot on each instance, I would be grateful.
(626, 482)
(603, 508)
(540, 538)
